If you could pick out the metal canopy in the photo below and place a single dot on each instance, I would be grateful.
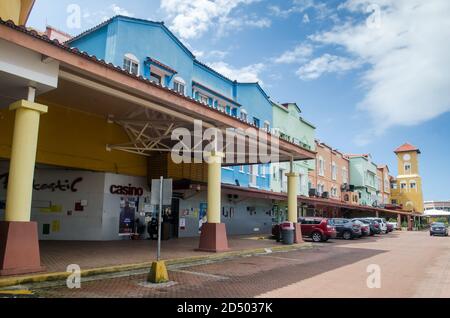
(148, 125)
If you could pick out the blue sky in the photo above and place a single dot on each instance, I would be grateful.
(370, 75)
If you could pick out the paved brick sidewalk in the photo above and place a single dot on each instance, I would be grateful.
(413, 265)
(57, 255)
(242, 277)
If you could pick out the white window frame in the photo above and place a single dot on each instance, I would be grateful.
(344, 175)
(386, 183)
(202, 98)
(133, 60)
(181, 83)
(413, 183)
(333, 171)
(243, 115)
(266, 125)
(321, 166)
(242, 169)
(403, 186)
(263, 171)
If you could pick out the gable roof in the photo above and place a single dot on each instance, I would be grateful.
(130, 19)
(406, 147)
(258, 86)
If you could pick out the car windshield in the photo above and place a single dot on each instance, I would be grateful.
(438, 224)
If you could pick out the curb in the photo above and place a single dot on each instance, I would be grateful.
(55, 276)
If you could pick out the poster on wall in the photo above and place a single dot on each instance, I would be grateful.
(127, 215)
(202, 216)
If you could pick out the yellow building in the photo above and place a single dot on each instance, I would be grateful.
(407, 187)
(16, 10)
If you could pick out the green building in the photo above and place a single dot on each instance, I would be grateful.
(363, 176)
(288, 124)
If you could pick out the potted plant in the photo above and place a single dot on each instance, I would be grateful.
(404, 226)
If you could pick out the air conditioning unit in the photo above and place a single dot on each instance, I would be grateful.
(326, 195)
(312, 192)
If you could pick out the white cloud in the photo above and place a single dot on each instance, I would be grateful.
(245, 74)
(96, 17)
(298, 55)
(408, 54)
(327, 63)
(320, 10)
(211, 55)
(191, 19)
(120, 11)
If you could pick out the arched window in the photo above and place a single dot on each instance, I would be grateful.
(179, 85)
(131, 64)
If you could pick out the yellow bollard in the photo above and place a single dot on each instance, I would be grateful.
(158, 274)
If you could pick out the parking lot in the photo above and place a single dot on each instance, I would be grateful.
(411, 264)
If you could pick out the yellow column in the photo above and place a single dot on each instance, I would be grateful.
(292, 197)
(214, 161)
(23, 157)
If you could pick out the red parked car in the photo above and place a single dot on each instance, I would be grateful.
(317, 229)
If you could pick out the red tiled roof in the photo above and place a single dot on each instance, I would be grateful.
(356, 155)
(164, 66)
(406, 147)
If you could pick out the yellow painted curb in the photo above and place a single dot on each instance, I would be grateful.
(16, 292)
(38, 278)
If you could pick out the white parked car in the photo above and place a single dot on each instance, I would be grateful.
(394, 225)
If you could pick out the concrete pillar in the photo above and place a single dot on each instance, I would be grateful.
(19, 246)
(399, 221)
(410, 223)
(213, 236)
(293, 204)
(23, 157)
(292, 197)
(214, 187)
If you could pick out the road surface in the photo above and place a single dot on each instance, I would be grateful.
(400, 264)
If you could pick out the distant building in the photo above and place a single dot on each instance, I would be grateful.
(406, 188)
(384, 185)
(331, 173)
(55, 34)
(363, 176)
(437, 205)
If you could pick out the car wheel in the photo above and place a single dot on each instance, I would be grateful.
(316, 237)
(431, 234)
(347, 235)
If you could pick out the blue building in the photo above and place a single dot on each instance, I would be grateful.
(149, 49)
